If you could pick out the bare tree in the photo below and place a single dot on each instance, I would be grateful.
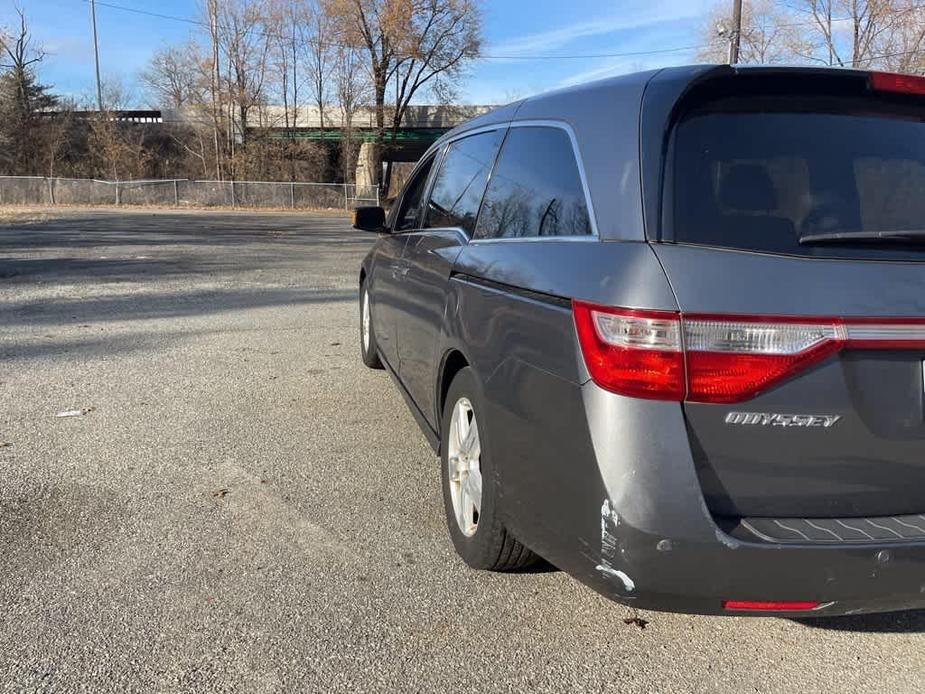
(886, 34)
(870, 24)
(285, 24)
(245, 48)
(320, 54)
(906, 50)
(119, 148)
(172, 77)
(436, 41)
(354, 91)
(767, 36)
(411, 44)
(23, 100)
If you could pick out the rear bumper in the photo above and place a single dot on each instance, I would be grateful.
(688, 576)
(659, 547)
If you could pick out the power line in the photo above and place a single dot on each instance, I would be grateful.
(588, 56)
(583, 56)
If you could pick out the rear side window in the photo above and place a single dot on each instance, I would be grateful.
(535, 189)
(763, 179)
(460, 182)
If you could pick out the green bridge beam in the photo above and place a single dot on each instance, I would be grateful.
(416, 135)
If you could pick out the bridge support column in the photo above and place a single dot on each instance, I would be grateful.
(366, 174)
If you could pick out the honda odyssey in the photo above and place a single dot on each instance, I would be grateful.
(667, 332)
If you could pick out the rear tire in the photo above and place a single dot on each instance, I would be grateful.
(470, 491)
(369, 348)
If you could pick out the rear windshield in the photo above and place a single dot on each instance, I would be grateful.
(762, 175)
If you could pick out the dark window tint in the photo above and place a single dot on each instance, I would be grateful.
(762, 181)
(410, 209)
(460, 183)
(535, 189)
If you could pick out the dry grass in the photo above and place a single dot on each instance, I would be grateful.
(10, 214)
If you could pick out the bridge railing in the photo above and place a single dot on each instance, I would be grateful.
(38, 190)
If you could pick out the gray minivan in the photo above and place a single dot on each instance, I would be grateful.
(667, 332)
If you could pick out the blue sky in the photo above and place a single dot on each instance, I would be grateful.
(512, 28)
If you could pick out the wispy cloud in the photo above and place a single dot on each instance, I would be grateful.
(609, 69)
(621, 66)
(635, 18)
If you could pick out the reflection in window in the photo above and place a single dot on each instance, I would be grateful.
(411, 201)
(535, 189)
(460, 183)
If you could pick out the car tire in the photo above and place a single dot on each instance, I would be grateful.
(473, 518)
(369, 348)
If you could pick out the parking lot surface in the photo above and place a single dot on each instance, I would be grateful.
(237, 504)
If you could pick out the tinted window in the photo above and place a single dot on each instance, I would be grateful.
(761, 181)
(535, 189)
(411, 202)
(460, 183)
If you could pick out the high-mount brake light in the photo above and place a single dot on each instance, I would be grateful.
(665, 355)
(901, 84)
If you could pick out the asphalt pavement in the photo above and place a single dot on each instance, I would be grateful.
(237, 504)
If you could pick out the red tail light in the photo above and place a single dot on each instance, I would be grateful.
(893, 82)
(708, 358)
(770, 605)
(733, 359)
(636, 353)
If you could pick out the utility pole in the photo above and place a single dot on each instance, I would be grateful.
(215, 85)
(96, 54)
(736, 36)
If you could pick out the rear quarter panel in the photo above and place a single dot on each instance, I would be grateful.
(509, 313)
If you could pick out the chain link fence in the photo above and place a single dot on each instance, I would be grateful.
(37, 190)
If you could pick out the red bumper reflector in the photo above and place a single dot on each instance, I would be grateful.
(770, 605)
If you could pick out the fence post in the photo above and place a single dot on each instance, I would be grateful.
(118, 196)
(292, 195)
(176, 193)
(51, 191)
(378, 204)
(346, 203)
(233, 202)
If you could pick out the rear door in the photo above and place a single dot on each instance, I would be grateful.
(776, 205)
(448, 222)
(387, 288)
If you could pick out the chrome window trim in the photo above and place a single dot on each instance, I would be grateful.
(579, 162)
(584, 238)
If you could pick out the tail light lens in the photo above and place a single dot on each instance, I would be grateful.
(718, 359)
(636, 353)
(732, 360)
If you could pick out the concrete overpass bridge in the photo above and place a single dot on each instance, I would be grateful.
(420, 128)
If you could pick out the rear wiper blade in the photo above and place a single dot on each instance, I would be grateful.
(916, 235)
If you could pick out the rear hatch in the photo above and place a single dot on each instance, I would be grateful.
(793, 233)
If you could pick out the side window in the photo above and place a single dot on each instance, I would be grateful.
(535, 189)
(460, 182)
(407, 217)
